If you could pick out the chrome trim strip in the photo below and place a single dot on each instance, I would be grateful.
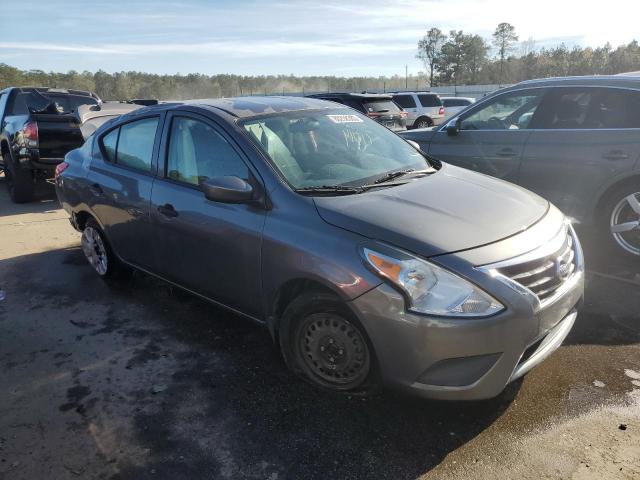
(549, 248)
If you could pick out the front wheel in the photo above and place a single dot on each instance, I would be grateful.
(621, 218)
(324, 344)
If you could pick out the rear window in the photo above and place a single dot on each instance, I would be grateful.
(41, 102)
(455, 102)
(430, 100)
(405, 101)
(381, 106)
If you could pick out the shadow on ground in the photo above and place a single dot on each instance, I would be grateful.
(225, 404)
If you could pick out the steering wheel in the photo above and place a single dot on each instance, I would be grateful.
(496, 123)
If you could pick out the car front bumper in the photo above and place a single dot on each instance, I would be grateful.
(464, 359)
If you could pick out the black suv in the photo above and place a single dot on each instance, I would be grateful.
(38, 128)
(379, 107)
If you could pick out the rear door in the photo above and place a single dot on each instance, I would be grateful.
(582, 139)
(492, 136)
(119, 183)
(211, 248)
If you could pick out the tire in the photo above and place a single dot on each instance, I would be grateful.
(619, 220)
(99, 254)
(20, 182)
(423, 122)
(323, 343)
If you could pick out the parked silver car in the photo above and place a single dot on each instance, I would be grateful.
(574, 141)
(454, 105)
(424, 109)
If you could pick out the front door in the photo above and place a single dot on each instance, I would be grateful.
(208, 247)
(492, 136)
(119, 183)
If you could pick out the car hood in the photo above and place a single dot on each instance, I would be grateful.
(451, 210)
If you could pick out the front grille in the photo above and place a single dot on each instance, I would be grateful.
(546, 274)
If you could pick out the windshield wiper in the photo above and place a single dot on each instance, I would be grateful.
(343, 189)
(391, 175)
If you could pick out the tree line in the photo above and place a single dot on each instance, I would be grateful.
(457, 58)
(131, 85)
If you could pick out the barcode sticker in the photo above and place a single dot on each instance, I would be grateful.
(345, 118)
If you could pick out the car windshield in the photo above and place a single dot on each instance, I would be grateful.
(331, 147)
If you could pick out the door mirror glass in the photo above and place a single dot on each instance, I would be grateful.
(453, 127)
(227, 189)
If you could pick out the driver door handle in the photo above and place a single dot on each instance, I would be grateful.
(167, 210)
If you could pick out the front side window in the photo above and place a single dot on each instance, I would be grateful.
(197, 152)
(135, 144)
(456, 102)
(511, 111)
(405, 101)
(331, 147)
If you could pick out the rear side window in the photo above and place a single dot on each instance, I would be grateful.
(131, 144)
(135, 144)
(381, 106)
(70, 103)
(615, 108)
(197, 152)
(405, 101)
(430, 100)
(109, 144)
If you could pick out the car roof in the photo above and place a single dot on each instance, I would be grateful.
(631, 81)
(358, 96)
(246, 107)
(456, 98)
(417, 93)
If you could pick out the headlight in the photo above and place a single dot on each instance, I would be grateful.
(431, 289)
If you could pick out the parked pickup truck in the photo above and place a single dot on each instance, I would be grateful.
(38, 126)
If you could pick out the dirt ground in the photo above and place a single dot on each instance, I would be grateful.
(140, 380)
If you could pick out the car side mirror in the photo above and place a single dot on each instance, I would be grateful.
(228, 189)
(453, 127)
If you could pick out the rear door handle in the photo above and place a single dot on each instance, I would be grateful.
(96, 189)
(167, 210)
(614, 155)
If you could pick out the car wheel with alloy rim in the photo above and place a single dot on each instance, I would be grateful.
(622, 217)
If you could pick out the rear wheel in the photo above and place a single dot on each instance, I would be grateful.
(323, 343)
(20, 182)
(423, 122)
(98, 253)
(621, 219)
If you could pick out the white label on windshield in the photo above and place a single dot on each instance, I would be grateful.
(345, 118)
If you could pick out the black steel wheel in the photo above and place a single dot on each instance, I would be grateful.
(322, 342)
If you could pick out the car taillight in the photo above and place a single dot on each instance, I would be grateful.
(373, 114)
(61, 167)
(30, 134)
(441, 111)
(403, 114)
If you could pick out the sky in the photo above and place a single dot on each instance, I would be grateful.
(303, 37)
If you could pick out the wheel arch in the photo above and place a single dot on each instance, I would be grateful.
(290, 290)
(608, 191)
